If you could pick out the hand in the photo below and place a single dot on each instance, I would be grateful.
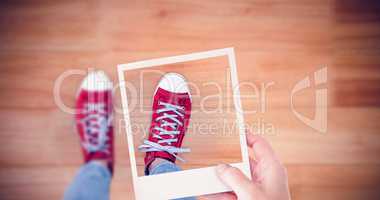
(269, 176)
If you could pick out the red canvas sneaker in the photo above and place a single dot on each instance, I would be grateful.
(94, 118)
(170, 118)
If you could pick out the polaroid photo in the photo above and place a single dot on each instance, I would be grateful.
(185, 110)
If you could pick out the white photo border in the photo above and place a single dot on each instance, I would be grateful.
(193, 182)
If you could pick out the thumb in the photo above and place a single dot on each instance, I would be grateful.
(237, 181)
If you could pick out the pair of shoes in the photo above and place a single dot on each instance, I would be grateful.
(171, 110)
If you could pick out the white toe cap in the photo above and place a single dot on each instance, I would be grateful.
(174, 82)
(96, 81)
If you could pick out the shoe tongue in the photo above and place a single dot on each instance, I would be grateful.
(169, 128)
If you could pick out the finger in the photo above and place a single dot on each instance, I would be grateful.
(236, 180)
(250, 141)
(219, 196)
(253, 165)
(250, 138)
(261, 149)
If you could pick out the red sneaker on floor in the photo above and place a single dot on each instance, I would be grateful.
(94, 118)
(170, 118)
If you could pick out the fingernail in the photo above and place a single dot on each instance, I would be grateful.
(221, 167)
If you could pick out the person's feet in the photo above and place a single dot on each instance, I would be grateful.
(94, 118)
(170, 118)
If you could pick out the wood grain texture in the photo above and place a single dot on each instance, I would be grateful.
(278, 42)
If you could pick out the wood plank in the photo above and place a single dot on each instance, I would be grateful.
(279, 42)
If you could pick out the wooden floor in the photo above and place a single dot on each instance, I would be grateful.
(277, 44)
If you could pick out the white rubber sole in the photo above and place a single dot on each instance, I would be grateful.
(95, 81)
(173, 82)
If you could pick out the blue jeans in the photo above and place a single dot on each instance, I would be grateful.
(93, 181)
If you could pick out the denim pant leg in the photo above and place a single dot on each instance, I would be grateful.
(92, 182)
(167, 166)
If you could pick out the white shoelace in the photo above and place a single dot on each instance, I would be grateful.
(96, 125)
(149, 146)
